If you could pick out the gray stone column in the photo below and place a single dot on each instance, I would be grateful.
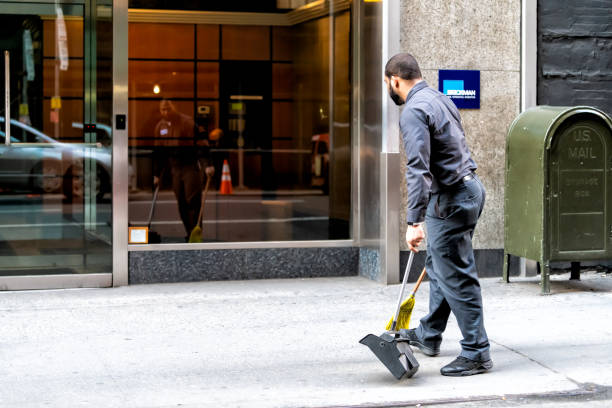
(476, 35)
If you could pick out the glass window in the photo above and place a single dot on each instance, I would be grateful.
(55, 174)
(241, 132)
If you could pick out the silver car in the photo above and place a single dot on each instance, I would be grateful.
(35, 162)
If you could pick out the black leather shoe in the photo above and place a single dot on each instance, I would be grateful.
(411, 337)
(462, 366)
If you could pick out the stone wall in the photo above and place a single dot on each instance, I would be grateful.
(478, 35)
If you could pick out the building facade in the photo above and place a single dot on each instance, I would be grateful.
(155, 141)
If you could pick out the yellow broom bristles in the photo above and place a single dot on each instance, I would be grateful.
(196, 235)
(403, 319)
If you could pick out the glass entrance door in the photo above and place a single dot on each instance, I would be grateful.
(55, 144)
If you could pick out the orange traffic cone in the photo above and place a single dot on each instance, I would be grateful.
(226, 179)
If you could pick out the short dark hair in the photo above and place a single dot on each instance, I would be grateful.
(403, 65)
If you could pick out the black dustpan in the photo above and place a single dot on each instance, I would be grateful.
(396, 355)
(392, 351)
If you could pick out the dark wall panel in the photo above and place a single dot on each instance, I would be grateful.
(575, 53)
(240, 264)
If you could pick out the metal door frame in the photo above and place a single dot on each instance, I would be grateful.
(63, 281)
(120, 143)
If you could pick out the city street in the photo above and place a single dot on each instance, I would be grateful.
(203, 204)
(294, 343)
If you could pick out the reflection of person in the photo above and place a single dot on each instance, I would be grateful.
(217, 141)
(184, 158)
(444, 192)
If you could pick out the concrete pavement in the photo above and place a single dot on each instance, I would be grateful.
(293, 343)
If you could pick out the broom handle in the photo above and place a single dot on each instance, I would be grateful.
(416, 287)
(203, 200)
(401, 295)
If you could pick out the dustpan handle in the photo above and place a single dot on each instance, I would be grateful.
(401, 295)
(155, 194)
(153, 206)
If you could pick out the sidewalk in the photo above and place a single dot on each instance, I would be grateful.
(291, 343)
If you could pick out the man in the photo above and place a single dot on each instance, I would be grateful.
(184, 158)
(445, 194)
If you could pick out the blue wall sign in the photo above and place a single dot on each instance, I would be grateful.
(461, 86)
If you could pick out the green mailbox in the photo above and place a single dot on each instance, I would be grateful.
(558, 197)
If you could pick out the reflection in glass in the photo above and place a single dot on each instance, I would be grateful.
(184, 158)
(270, 102)
(55, 169)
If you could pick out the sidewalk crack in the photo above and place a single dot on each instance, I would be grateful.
(520, 353)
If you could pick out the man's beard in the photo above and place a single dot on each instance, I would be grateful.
(395, 97)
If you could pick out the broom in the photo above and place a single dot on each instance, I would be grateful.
(196, 232)
(403, 317)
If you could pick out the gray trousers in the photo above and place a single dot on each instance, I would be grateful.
(451, 218)
(187, 186)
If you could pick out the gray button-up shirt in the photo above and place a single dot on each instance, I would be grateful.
(435, 145)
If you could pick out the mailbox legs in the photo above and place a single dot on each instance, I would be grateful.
(575, 274)
(506, 272)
